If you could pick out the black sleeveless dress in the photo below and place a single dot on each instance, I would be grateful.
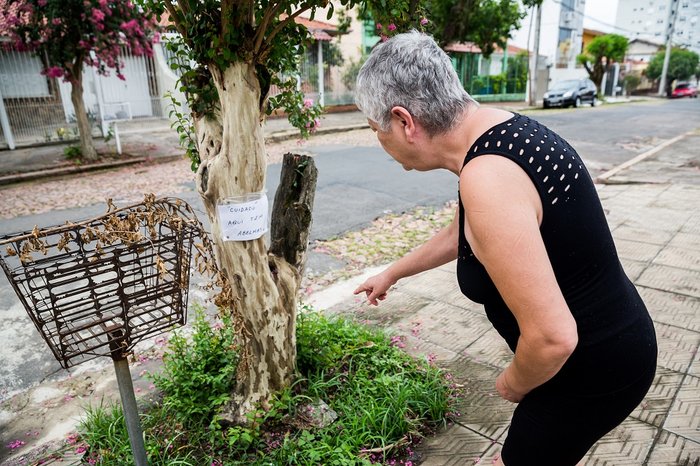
(614, 363)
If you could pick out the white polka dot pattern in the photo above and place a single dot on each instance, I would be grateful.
(542, 154)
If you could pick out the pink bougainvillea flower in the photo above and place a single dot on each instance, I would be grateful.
(308, 103)
(391, 27)
(379, 26)
(15, 444)
(97, 15)
(424, 21)
(54, 72)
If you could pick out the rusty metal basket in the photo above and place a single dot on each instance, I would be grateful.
(98, 287)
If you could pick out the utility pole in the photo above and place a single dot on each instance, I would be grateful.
(670, 24)
(535, 63)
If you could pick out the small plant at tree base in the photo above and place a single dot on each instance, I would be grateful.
(384, 399)
(199, 374)
(73, 153)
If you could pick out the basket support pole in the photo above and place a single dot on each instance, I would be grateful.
(131, 414)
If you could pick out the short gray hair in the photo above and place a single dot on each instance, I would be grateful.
(410, 70)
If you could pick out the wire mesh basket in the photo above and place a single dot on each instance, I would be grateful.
(98, 287)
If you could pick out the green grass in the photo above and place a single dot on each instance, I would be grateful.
(385, 401)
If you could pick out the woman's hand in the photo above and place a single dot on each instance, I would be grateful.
(505, 391)
(376, 287)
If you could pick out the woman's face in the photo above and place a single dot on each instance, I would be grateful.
(391, 142)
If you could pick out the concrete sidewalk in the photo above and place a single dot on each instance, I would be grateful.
(652, 209)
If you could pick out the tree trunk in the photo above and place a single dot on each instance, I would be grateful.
(263, 286)
(87, 145)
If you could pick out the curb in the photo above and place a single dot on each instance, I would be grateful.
(605, 177)
(280, 136)
(55, 172)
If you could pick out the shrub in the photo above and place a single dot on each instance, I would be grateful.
(198, 375)
(385, 401)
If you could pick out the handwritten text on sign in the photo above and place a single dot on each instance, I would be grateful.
(243, 221)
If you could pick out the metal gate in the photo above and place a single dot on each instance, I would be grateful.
(38, 109)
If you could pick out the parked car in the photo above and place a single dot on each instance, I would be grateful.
(685, 90)
(572, 92)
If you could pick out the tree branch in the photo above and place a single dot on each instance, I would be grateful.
(282, 24)
(260, 34)
(176, 17)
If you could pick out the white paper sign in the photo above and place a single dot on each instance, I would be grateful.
(243, 221)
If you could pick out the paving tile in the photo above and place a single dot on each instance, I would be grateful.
(686, 282)
(686, 240)
(682, 258)
(645, 235)
(684, 415)
(629, 443)
(633, 268)
(676, 197)
(694, 369)
(398, 305)
(692, 226)
(479, 407)
(657, 402)
(443, 324)
(637, 250)
(677, 347)
(440, 286)
(426, 350)
(490, 349)
(492, 453)
(673, 450)
(453, 446)
(672, 309)
(642, 217)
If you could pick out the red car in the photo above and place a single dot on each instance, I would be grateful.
(685, 90)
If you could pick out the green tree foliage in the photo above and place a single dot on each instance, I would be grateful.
(601, 52)
(487, 23)
(71, 34)
(682, 64)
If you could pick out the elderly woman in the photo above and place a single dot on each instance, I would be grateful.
(532, 245)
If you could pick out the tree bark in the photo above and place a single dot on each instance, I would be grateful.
(263, 286)
(87, 146)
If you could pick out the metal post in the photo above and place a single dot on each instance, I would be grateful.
(321, 84)
(116, 138)
(673, 8)
(131, 414)
(100, 101)
(538, 30)
(5, 122)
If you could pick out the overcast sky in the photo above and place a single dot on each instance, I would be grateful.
(600, 14)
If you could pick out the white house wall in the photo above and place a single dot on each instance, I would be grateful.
(549, 31)
(20, 75)
(117, 96)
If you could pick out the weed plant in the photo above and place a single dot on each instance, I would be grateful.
(385, 401)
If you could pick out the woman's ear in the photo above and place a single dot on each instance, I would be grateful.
(408, 124)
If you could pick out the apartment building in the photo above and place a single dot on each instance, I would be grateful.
(648, 19)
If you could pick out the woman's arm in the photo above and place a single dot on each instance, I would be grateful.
(503, 213)
(438, 250)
